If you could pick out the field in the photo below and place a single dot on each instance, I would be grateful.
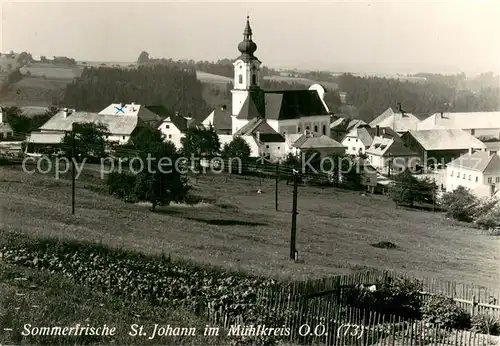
(239, 229)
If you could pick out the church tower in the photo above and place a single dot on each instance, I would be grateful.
(246, 70)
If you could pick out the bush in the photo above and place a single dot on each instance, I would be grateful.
(486, 324)
(460, 204)
(445, 312)
(489, 220)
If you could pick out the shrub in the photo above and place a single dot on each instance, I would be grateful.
(460, 204)
(486, 324)
(445, 312)
(489, 219)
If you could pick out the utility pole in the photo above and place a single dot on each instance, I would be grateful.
(73, 171)
(434, 187)
(293, 249)
(277, 179)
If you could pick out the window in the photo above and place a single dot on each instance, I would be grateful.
(348, 139)
(497, 180)
(469, 177)
(267, 146)
(368, 179)
(464, 176)
(353, 148)
(240, 79)
(458, 174)
(307, 128)
(298, 129)
(124, 137)
(278, 148)
(477, 179)
(169, 136)
(254, 79)
(452, 173)
(324, 129)
(490, 180)
(167, 126)
(315, 128)
(356, 140)
(473, 132)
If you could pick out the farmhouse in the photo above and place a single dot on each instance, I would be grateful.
(121, 120)
(483, 125)
(360, 138)
(322, 144)
(441, 146)
(399, 122)
(478, 171)
(6, 131)
(388, 155)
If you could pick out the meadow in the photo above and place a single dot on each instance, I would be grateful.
(238, 229)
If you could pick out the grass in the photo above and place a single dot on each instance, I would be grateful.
(47, 300)
(51, 71)
(242, 231)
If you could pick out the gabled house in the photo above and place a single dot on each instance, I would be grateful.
(121, 123)
(271, 144)
(391, 156)
(483, 125)
(322, 144)
(6, 131)
(478, 171)
(400, 122)
(361, 137)
(438, 147)
(220, 119)
(174, 127)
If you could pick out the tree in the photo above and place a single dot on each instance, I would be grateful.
(460, 204)
(201, 143)
(159, 181)
(237, 148)
(408, 190)
(143, 57)
(90, 140)
(24, 58)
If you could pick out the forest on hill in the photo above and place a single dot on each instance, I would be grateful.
(177, 89)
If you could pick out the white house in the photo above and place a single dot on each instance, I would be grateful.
(121, 120)
(361, 137)
(173, 128)
(478, 171)
(286, 111)
(391, 156)
(483, 125)
(399, 122)
(6, 131)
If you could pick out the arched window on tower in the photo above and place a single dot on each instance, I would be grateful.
(315, 129)
(240, 79)
(324, 129)
(254, 79)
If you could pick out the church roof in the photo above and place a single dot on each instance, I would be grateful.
(282, 105)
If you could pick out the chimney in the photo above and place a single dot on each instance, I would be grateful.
(471, 151)
(377, 133)
(65, 112)
(257, 134)
(1, 115)
(383, 131)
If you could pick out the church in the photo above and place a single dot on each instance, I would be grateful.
(276, 119)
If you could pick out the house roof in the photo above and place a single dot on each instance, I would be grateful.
(337, 122)
(313, 141)
(141, 112)
(45, 137)
(366, 134)
(493, 145)
(180, 122)
(221, 119)
(383, 146)
(397, 121)
(444, 139)
(265, 132)
(481, 161)
(117, 124)
(282, 105)
(464, 121)
(5, 127)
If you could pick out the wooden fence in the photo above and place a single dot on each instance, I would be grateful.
(313, 316)
(325, 323)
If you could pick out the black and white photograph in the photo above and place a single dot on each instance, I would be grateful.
(250, 173)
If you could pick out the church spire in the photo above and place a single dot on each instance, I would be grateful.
(247, 47)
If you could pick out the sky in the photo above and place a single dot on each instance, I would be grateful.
(355, 36)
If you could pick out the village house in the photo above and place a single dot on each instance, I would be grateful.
(478, 171)
(341, 126)
(361, 138)
(390, 156)
(400, 122)
(6, 131)
(220, 119)
(438, 147)
(121, 120)
(483, 125)
(321, 144)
